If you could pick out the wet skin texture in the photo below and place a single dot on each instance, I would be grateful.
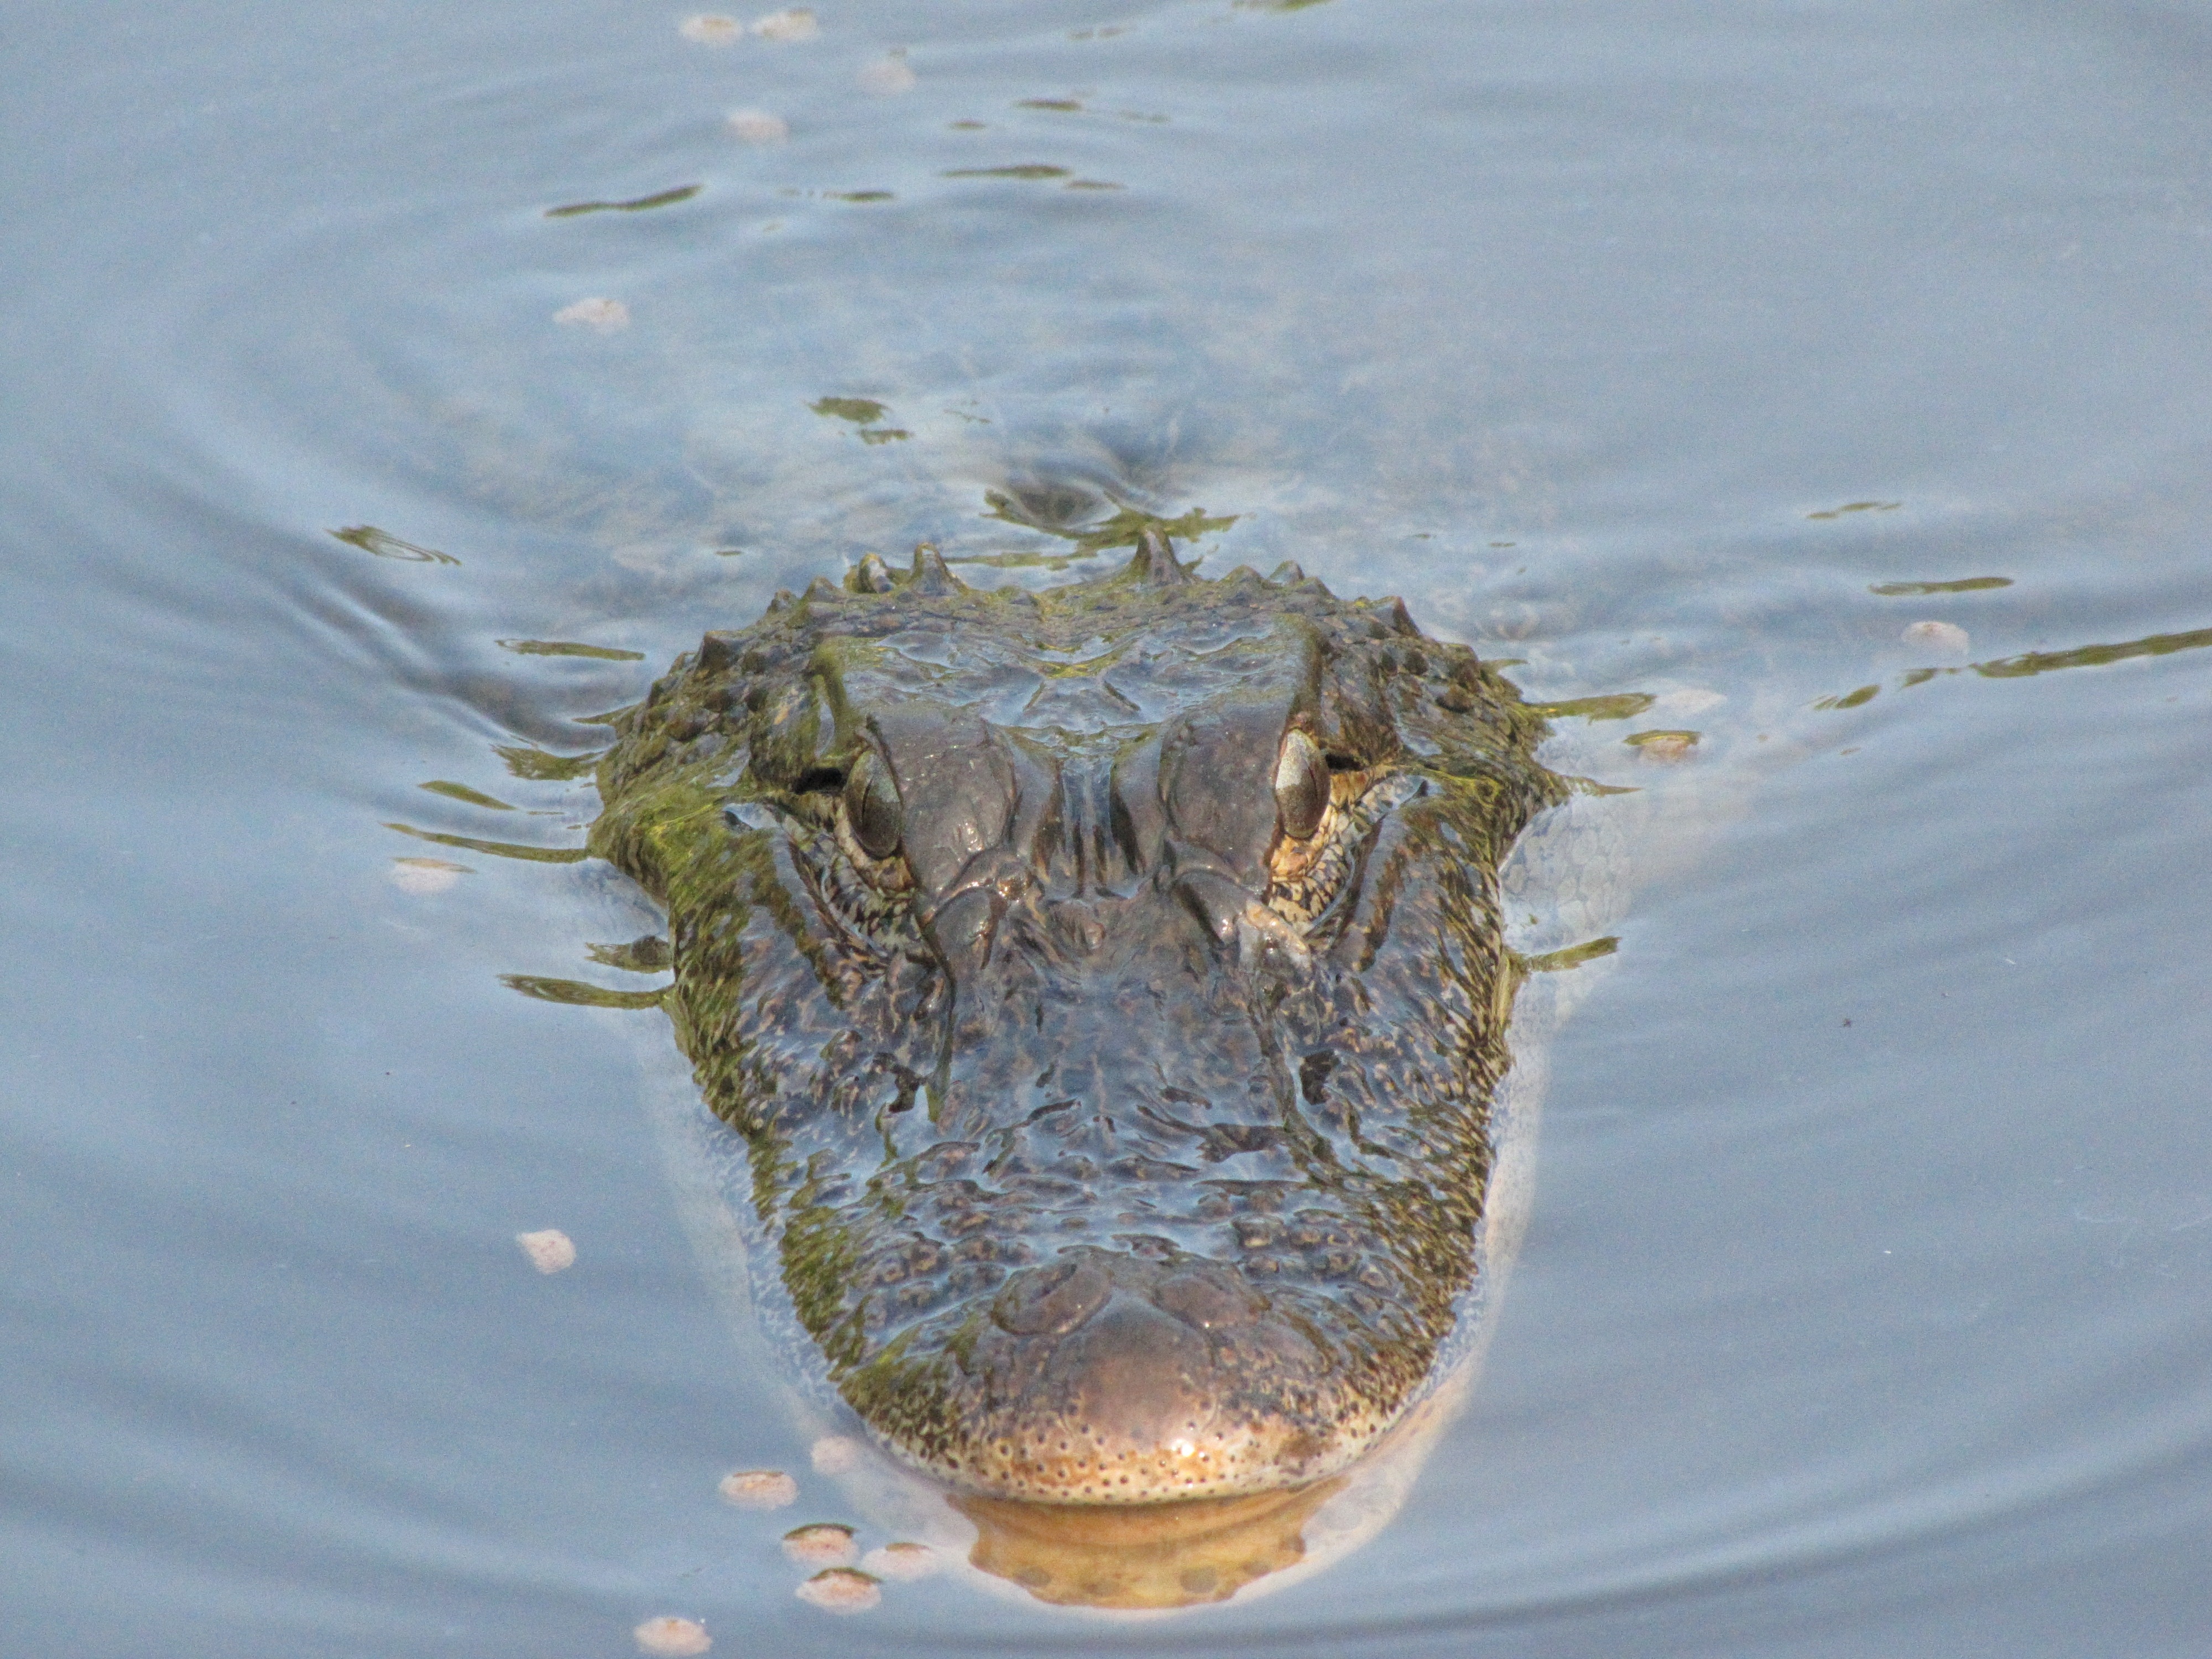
(1108, 982)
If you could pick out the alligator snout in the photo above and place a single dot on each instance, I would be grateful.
(1107, 1377)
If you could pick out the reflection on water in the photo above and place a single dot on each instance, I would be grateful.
(1867, 1282)
(1154, 1556)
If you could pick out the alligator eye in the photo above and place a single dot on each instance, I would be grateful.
(873, 808)
(1301, 786)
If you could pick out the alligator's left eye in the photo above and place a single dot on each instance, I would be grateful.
(872, 807)
(1324, 806)
(871, 824)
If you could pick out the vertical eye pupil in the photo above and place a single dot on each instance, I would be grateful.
(872, 807)
(1301, 786)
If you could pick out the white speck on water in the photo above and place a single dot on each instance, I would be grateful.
(840, 1589)
(550, 1251)
(834, 1454)
(904, 1562)
(759, 1489)
(605, 316)
(1937, 636)
(757, 126)
(712, 29)
(794, 23)
(425, 875)
(886, 77)
(669, 1635)
(826, 1545)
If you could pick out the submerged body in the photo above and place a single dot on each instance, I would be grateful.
(1109, 984)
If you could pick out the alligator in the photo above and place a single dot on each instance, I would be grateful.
(1108, 983)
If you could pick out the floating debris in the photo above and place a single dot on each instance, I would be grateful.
(636, 204)
(860, 412)
(539, 766)
(825, 1544)
(1855, 507)
(580, 994)
(904, 1562)
(1093, 184)
(552, 1251)
(886, 77)
(1067, 105)
(500, 849)
(759, 1489)
(603, 315)
(2091, 656)
(1021, 170)
(712, 29)
(1663, 745)
(1558, 962)
(674, 1637)
(568, 648)
(860, 195)
(648, 954)
(426, 875)
(1615, 706)
(386, 545)
(1943, 636)
(794, 23)
(1864, 694)
(840, 1589)
(1965, 584)
(757, 126)
(461, 791)
(834, 1454)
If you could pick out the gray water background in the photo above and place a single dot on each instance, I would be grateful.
(1865, 1310)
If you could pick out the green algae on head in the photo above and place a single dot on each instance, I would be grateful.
(1109, 985)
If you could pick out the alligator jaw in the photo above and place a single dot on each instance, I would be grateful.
(1113, 1379)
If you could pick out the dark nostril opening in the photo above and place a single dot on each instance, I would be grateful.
(1051, 1301)
(1078, 925)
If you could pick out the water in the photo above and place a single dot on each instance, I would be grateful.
(1864, 1307)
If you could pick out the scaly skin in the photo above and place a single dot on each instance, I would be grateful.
(1108, 982)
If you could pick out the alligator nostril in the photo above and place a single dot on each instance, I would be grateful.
(1078, 925)
(1208, 1300)
(1051, 1301)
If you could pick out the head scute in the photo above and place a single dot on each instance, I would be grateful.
(1153, 564)
(931, 577)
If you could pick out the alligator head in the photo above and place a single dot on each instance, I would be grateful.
(1109, 982)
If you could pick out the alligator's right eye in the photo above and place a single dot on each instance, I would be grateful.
(1301, 786)
(873, 808)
